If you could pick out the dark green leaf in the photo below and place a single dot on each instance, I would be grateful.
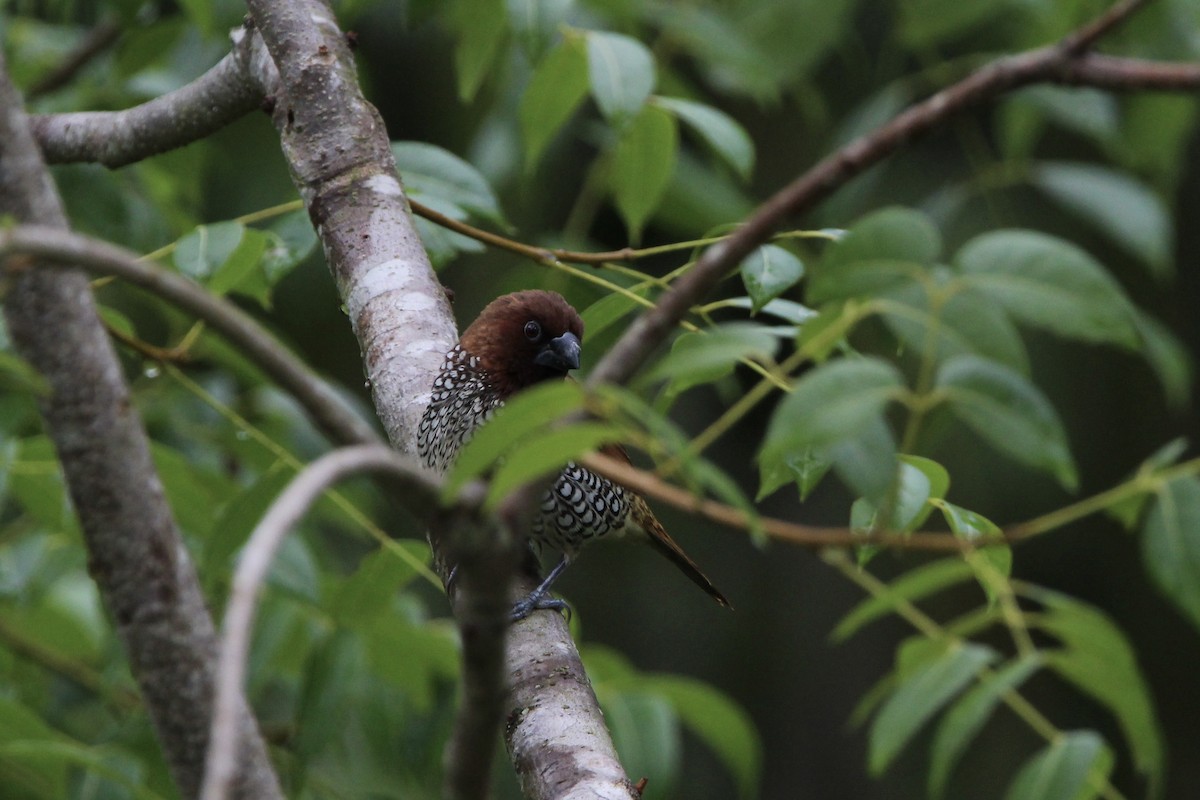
(967, 716)
(706, 355)
(370, 590)
(620, 72)
(556, 89)
(805, 467)
(1009, 412)
(909, 587)
(645, 731)
(432, 174)
(545, 453)
(642, 162)
(1064, 769)
(1049, 283)
(1117, 206)
(482, 27)
(527, 413)
(1168, 357)
(718, 130)
(769, 272)
(1098, 659)
(1171, 544)
(718, 721)
(919, 696)
(879, 252)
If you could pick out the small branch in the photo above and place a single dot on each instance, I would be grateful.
(97, 40)
(116, 138)
(1050, 63)
(1131, 74)
(421, 492)
(325, 407)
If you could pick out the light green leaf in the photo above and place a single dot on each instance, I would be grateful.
(1098, 659)
(718, 130)
(556, 89)
(805, 467)
(1128, 511)
(432, 174)
(1048, 283)
(967, 716)
(865, 460)
(1117, 206)
(1171, 544)
(526, 413)
(920, 694)
(620, 72)
(970, 526)
(16, 375)
(202, 252)
(642, 162)
(482, 26)
(1063, 769)
(769, 272)
(879, 252)
(910, 587)
(717, 721)
(918, 481)
(704, 356)
(242, 270)
(544, 453)
(645, 731)
(370, 590)
(1009, 412)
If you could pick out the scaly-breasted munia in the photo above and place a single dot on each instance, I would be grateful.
(520, 340)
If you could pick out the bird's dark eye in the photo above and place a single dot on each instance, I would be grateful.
(533, 331)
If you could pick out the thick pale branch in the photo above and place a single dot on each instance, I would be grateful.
(57, 246)
(420, 491)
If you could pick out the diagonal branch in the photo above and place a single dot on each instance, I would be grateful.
(1052, 63)
(56, 246)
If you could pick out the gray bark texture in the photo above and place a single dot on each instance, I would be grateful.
(135, 552)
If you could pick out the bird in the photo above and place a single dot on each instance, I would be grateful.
(518, 341)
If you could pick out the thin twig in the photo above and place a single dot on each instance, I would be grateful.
(418, 486)
(95, 42)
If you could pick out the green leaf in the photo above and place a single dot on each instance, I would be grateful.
(432, 175)
(16, 375)
(1048, 283)
(620, 72)
(242, 267)
(645, 731)
(202, 252)
(866, 460)
(717, 721)
(1128, 511)
(719, 131)
(1117, 206)
(291, 239)
(526, 413)
(1009, 412)
(25, 733)
(805, 467)
(1171, 544)
(545, 453)
(879, 252)
(335, 667)
(642, 162)
(967, 716)
(556, 89)
(970, 526)
(920, 694)
(704, 356)
(372, 587)
(909, 587)
(1061, 771)
(769, 272)
(1098, 660)
(482, 26)
(830, 403)
(1168, 357)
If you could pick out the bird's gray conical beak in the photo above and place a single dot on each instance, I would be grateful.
(560, 354)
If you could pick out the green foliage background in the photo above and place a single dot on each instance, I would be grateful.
(595, 125)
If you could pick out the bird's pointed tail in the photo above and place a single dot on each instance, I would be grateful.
(664, 544)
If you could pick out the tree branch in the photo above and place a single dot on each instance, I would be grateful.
(1053, 63)
(57, 246)
(421, 494)
(135, 552)
(116, 138)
